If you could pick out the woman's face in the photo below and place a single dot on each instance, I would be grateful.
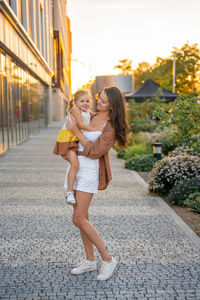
(103, 104)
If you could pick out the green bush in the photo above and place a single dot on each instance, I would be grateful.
(193, 201)
(140, 114)
(165, 137)
(142, 124)
(141, 163)
(137, 150)
(121, 153)
(181, 191)
(141, 138)
(117, 149)
(186, 116)
(168, 144)
(171, 170)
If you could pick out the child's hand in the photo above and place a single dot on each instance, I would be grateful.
(67, 124)
(70, 124)
(69, 121)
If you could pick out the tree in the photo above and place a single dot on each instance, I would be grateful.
(141, 115)
(142, 73)
(186, 116)
(125, 67)
(187, 70)
(160, 72)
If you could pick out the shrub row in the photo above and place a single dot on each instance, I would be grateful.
(141, 163)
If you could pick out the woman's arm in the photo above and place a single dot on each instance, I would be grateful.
(101, 146)
(77, 116)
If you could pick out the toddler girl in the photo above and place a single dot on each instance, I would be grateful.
(66, 143)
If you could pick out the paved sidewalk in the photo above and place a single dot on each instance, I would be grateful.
(159, 256)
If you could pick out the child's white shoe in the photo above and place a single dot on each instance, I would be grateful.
(69, 195)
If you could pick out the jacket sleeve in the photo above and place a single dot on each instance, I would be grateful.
(102, 145)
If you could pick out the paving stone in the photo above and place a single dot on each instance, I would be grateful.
(158, 254)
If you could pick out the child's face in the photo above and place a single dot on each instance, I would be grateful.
(83, 102)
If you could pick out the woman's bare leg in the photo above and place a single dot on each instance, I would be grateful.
(73, 160)
(89, 233)
(88, 245)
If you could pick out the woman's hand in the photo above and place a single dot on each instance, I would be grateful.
(70, 124)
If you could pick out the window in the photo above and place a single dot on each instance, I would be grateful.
(55, 56)
(61, 64)
(42, 28)
(36, 23)
(29, 19)
(20, 12)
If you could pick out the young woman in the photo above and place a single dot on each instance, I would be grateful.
(95, 173)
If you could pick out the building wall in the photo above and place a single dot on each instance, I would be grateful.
(28, 63)
(59, 105)
(124, 82)
(25, 70)
(23, 103)
(61, 89)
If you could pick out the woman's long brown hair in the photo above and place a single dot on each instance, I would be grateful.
(118, 114)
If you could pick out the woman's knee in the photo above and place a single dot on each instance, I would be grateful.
(78, 222)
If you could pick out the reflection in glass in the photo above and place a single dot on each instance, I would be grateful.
(23, 103)
(3, 64)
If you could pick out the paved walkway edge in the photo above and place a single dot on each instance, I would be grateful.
(189, 232)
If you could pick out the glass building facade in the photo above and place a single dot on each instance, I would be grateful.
(23, 103)
(35, 84)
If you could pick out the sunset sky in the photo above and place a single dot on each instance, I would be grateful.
(105, 31)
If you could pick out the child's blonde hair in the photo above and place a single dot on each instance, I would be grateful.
(77, 95)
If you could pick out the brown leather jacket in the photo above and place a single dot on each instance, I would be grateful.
(100, 149)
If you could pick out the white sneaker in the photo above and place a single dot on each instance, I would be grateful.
(70, 197)
(85, 266)
(107, 269)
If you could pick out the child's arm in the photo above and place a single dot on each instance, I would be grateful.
(92, 114)
(77, 116)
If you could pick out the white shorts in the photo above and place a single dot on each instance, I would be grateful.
(87, 177)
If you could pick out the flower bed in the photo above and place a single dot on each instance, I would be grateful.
(181, 191)
(171, 170)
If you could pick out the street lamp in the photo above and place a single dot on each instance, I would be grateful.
(157, 151)
(174, 73)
